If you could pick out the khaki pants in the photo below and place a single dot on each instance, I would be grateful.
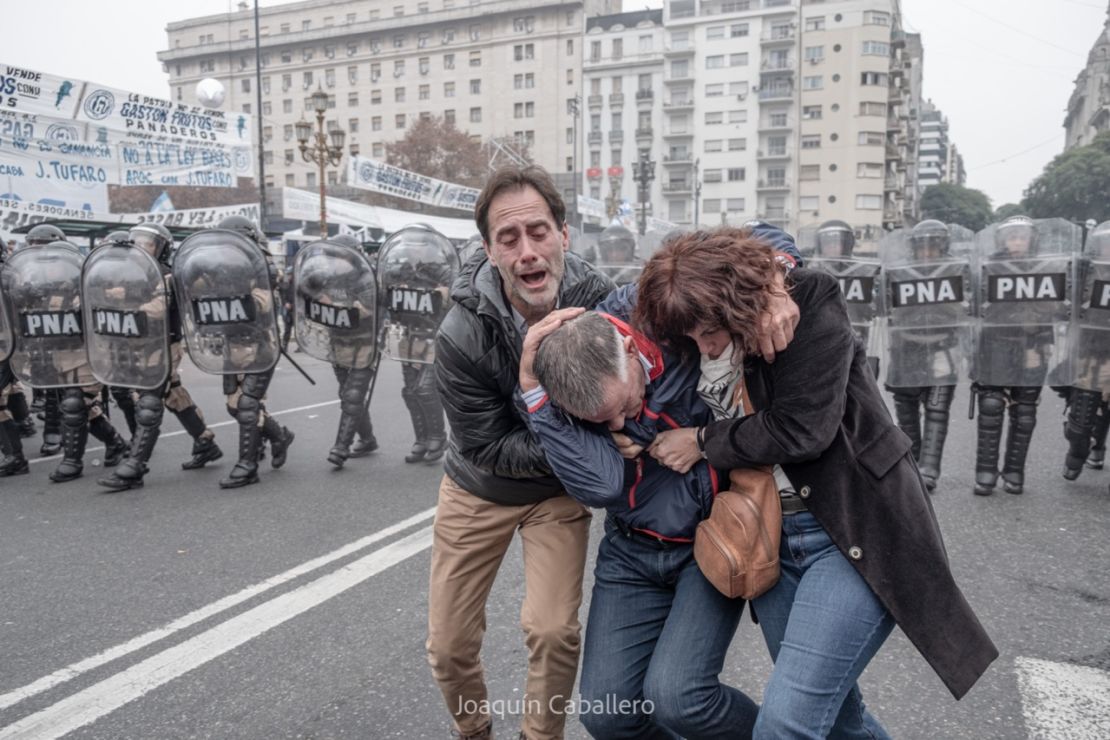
(471, 537)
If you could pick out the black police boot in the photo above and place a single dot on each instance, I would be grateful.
(907, 409)
(27, 428)
(1023, 419)
(130, 472)
(280, 438)
(992, 406)
(17, 402)
(38, 400)
(126, 404)
(245, 471)
(74, 439)
(205, 449)
(437, 430)
(115, 446)
(1078, 428)
(937, 404)
(367, 442)
(341, 450)
(1097, 457)
(51, 424)
(419, 428)
(13, 462)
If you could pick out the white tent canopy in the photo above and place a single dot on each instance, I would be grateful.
(302, 205)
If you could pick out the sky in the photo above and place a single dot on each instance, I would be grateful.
(1001, 70)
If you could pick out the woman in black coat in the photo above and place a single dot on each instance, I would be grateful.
(861, 549)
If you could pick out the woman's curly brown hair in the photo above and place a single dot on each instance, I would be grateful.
(718, 279)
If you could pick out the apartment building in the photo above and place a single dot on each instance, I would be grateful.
(1089, 106)
(622, 70)
(938, 159)
(504, 69)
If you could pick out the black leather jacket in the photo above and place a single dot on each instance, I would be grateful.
(492, 454)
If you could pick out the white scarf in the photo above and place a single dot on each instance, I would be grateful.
(717, 384)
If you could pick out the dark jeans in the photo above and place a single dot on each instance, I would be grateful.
(656, 638)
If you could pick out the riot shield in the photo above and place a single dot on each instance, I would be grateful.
(125, 304)
(1090, 347)
(7, 328)
(860, 282)
(1024, 297)
(416, 267)
(335, 304)
(652, 241)
(473, 246)
(616, 255)
(927, 301)
(584, 245)
(806, 242)
(43, 287)
(226, 300)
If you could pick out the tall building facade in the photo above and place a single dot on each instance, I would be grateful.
(504, 69)
(1089, 106)
(938, 159)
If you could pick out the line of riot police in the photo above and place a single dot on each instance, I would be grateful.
(1018, 306)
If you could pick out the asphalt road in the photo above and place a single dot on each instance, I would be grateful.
(296, 608)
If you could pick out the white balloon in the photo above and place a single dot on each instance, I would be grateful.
(210, 93)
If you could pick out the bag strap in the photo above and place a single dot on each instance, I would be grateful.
(742, 392)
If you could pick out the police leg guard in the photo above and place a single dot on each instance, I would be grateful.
(352, 407)
(245, 471)
(1023, 419)
(1078, 428)
(367, 442)
(907, 409)
(416, 411)
(115, 446)
(13, 462)
(938, 401)
(17, 404)
(280, 439)
(148, 419)
(1097, 457)
(992, 407)
(436, 427)
(51, 423)
(205, 449)
(126, 403)
(75, 435)
(38, 400)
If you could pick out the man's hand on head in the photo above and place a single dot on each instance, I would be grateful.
(776, 325)
(532, 340)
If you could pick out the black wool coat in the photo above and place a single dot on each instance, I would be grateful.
(820, 414)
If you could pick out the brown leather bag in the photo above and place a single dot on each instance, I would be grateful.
(737, 547)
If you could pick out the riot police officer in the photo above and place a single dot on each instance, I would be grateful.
(335, 316)
(148, 403)
(1016, 343)
(46, 399)
(925, 347)
(835, 239)
(416, 266)
(246, 391)
(11, 442)
(1087, 417)
(616, 249)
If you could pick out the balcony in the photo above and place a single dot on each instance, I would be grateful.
(645, 132)
(778, 35)
(678, 76)
(771, 154)
(776, 93)
(676, 187)
(644, 98)
(677, 51)
(682, 104)
(594, 137)
(616, 100)
(772, 185)
(678, 158)
(777, 65)
(776, 125)
(616, 137)
(595, 101)
(683, 134)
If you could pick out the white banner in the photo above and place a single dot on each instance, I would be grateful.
(370, 174)
(658, 224)
(301, 205)
(193, 217)
(592, 207)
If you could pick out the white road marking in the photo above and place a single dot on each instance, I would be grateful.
(229, 422)
(73, 671)
(89, 705)
(1063, 700)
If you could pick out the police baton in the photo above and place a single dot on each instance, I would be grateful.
(299, 368)
(373, 378)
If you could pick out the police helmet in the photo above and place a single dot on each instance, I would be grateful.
(244, 226)
(346, 240)
(616, 245)
(44, 234)
(155, 239)
(835, 239)
(1098, 242)
(1015, 235)
(929, 235)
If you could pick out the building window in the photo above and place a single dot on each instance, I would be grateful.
(475, 87)
(398, 95)
(376, 123)
(289, 179)
(448, 36)
(876, 48)
(424, 64)
(449, 116)
(448, 61)
(375, 71)
(809, 202)
(399, 120)
(475, 59)
(876, 18)
(448, 89)
(817, 23)
(869, 170)
(736, 174)
(813, 82)
(814, 54)
(717, 61)
(711, 205)
(475, 115)
(352, 75)
(869, 202)
(645, 44)
(287, 132)
(872, 109)
(734, 205)
(525, 24)
(352, 99)
(811, 141)
(874, 78)
(306, 54)
(711, 91)
(398, 68)
(618, 49)
(267, 109)
(287, 106)
(288, 156)
(778, 120)
(871, 138)
(711, 34)
(398, 41)
(352, 48)
(329, 77)
(713, 175)
(737, 116)
(714, 117)
(811, 112)
(809, 172)
(329, 52)
(738, 30)
(310, 178)
(738, 89)
(424, 92)
(737, 145)
(375, 97)
(306, 81)
(524, 51)
(475, 35)
(422, 40)
(738, 60)
(378, 149)
(570, 47)
(714, 145)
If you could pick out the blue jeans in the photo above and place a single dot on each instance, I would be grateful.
(822, 624)
(658, 631)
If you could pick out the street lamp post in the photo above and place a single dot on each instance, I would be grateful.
(574, 102)
(616, 174)
(320, 151)
(644, 174)
(697, 193)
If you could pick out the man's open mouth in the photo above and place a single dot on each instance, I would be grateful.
(533, 279)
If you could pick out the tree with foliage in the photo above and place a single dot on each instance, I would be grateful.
(435, 148)
(1075, 185)
(955, 204)
(1007, 210)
